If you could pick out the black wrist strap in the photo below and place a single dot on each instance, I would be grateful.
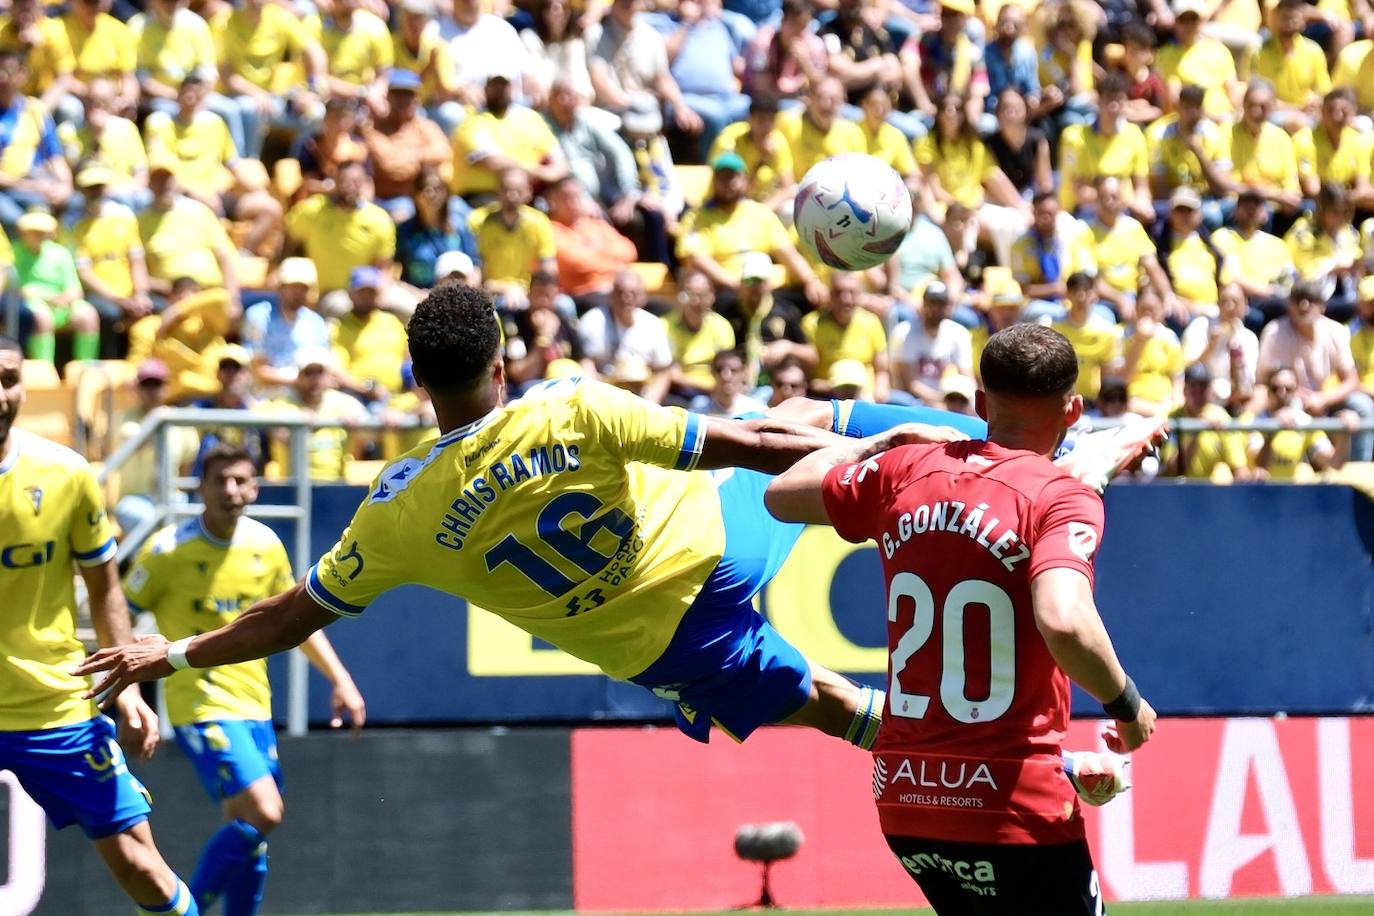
(1125, 708)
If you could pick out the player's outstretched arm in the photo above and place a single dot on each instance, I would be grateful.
(795, 496)
(1067, 618)
(270, 626)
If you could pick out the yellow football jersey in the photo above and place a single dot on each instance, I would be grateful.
(51, 514)
(194, 582)
(552, 512)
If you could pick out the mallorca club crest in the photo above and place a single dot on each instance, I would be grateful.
(35, 495)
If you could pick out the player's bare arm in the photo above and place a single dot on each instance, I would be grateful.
(281, 622)
(1067, 618)
(345, 696)
(795, 496)
(138, 728)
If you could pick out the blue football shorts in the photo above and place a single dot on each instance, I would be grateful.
(726, 664)
(230, 754)
(78, 775)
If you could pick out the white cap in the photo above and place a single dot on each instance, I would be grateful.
(755, 265)
(453, 262)
(316, 356)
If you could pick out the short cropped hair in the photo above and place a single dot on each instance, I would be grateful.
(1080, 279)
(1029, 360)
(454, 338)
(222, 453)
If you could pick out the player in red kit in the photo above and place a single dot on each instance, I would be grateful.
(988, 550)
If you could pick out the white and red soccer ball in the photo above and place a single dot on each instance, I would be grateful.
(852, 211)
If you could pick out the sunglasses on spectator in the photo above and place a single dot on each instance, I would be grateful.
(152, 382)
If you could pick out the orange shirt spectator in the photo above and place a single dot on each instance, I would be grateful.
(403, 142)
(590, 250)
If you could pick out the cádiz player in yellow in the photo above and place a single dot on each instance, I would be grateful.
(563, 512)
(57, 743)
(196, 576)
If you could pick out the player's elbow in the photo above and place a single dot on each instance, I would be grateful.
(1060, 623)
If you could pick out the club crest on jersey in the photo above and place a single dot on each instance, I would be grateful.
(35, 495)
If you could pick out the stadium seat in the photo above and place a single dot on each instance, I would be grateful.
(655, 276)
(39, 374)
(101, 390)
(48, 413)
(695, 181)
(252, 271)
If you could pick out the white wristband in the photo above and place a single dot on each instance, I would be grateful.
(176, 653)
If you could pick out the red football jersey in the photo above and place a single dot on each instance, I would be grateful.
(976, 706)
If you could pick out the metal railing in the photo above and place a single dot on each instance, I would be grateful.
(156, 429)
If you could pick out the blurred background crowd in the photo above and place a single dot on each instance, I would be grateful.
(238, 205)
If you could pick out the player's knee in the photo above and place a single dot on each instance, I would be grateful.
(42, 316)
(85, 318)
(806, 411)
(265, 814)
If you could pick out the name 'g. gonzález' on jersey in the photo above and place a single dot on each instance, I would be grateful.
(553, 512)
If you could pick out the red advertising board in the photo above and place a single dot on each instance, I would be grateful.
(1221, 807)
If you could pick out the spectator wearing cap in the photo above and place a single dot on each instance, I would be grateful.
(1208, 454)
(768, 331)
(1294, 64)
(234, 391)
(1291, 453)
(1226, 348)
(139, 475)
(629, 58)
(183, 238)
(782, 59)
(949, 61)
(1262, 153)
(1124, 252)
(196, 144)
(514, 240)
(400, 143)
(276, 331)
(1362, 336)
(312, 396)
(417, 46)
(29, 29)
(369, 342)
(174, 43)
(1047, 255)
(357, 49)
(817, 131)
(324, 152)
(456, 267)
(1096, 342)
(112, 141)
(847, 379)
(1193, 58)
(1001, 307)
(555, 52)
(109, 254)
(957, 394)
(257, 41)
(52, 291)
(715, 238)
(1318, 351)
(1326, 249)
(503, 137)
(842, 331)
(440, 224)
(766, 153)
(1264, 266)
(696, 333)
(33, 172)
(1196, 266)
(104, 48)
(1188, 149)
(342, 230)
(627, 344)
(1333, 151)
(704, 57)
(589, 250)
(925, 350)
(484, 45)
(539, 337)
(727, 396)
(1110, 146)
(1152, 358)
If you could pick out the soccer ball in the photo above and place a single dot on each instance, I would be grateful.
(852, 211)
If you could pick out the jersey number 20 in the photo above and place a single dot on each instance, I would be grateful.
(953, 680)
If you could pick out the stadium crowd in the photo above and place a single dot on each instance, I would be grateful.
(246, 201)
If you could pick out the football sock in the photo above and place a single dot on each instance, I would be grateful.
(181, 904)
(231, 848)
(42, 346)
(863, 728)
(857, 419)
(243, 895)
(86, 345)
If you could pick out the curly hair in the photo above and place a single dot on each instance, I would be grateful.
(454, 338)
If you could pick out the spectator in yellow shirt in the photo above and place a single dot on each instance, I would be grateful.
(1203, 455)
(817, 131)
(109, 254)
(505, 136)
(357, 46)
(766, 153)
(842, 330)
(340, 230)
(182, 238)
(1355, 70)
(1152, 359)
(1262, 154)
(885, 142)
(195, 142)
(416, 45)
(1044, 258)
(111, 140)
(1197, 267)
(1333, 150)
(1291, 453)
(1326, 249)
(33, 172)
(313, 396)
(1187, 149)
(104, 48)
(256, 42)
(1264, 267)
(1195, 59)
(1096, 340)
(1295, 65)
(371, 342)
(696, 333)
(514, 240)
(1123, 251)
(1112, 146)
(48, 53)
(1362, 336)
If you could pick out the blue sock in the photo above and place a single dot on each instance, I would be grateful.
(863, 728)
(181, 904)
(857, 419)
(230, 849)
(243, 896)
